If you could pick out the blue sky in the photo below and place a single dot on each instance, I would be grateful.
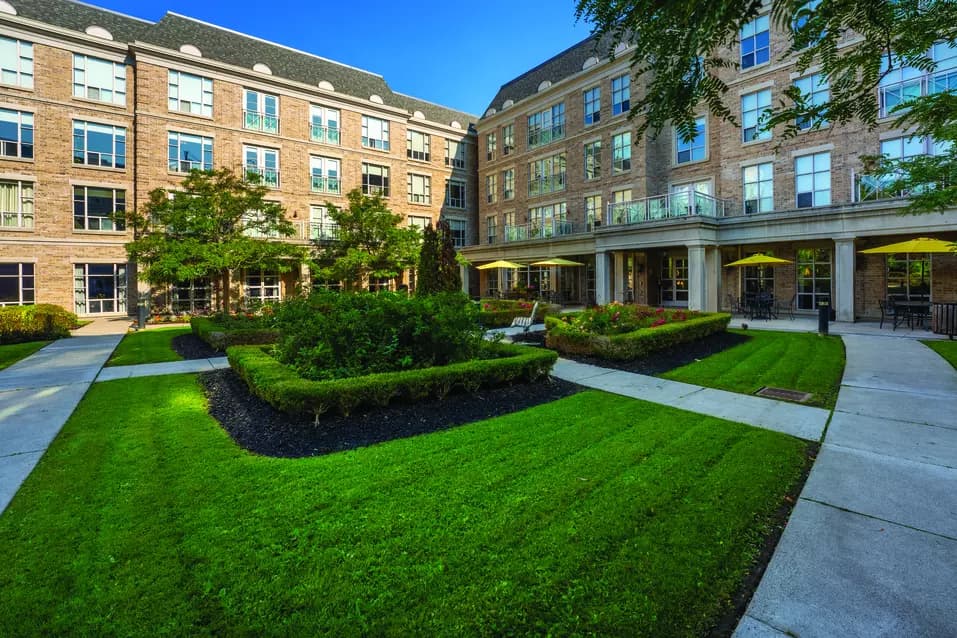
(436, 50)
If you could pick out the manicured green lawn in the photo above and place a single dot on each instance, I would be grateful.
(946, 349)
(11, 353)
(147, 346)
(596, 514)
(789, 360)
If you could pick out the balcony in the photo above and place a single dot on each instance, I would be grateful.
(543, 136)
(543, 184)
(673, 205)
(268, 177)
(321, 184)
(541, 230)
(892, 95)
(872, 188)
(324, 134)
(258, 121)
(316, 231)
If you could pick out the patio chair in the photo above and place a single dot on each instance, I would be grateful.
(786, 307)
(890, 312)
(525, 322)
(735, 305)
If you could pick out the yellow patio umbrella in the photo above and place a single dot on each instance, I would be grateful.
(919, 245)
(759, 259)
(501, 263)
(557, 261)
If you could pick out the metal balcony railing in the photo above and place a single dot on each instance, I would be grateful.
(259, 121)
(871, 188)
(541, 230)
(672, 205)
(267, 176)
(317, 231)
(185, 166)
(546, 184)
(323, 184)
(325, 134)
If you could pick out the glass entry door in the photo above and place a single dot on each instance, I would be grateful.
(99, 288)
(674, 281)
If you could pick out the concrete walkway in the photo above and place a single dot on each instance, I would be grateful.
(871, 546)
(156, 369)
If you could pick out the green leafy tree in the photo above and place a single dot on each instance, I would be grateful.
(449, 274)
(215, 224)
(371, 243)
(438, 262)
(683, 49)
(427, 274)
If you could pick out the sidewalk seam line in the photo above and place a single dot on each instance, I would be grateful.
(840, 446)
(878, 518)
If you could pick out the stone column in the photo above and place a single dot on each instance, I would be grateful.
(712, 261)
(464, 272)
(619, 279)
(845, 260)
(697, 278)
(602, 278)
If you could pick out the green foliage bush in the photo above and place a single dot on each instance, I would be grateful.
(573, 336)
(329, 335)
(498, 313)
(286, 390)
(35, 323)
(221, 331)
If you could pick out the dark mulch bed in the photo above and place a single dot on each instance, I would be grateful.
(665, 360)
(258, 427)
(189, 346)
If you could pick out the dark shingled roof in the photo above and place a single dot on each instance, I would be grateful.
(77, 17)
(564, 65)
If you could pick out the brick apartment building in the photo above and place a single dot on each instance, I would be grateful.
(98, 108)
(561, 176)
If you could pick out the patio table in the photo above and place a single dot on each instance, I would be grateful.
(913, 312)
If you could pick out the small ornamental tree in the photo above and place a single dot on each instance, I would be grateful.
(449, 275)
(427, 274)
(371, 243)
(201, 231)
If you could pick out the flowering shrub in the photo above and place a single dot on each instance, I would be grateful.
(616, 318)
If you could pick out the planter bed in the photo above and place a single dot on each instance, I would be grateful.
(498, 313)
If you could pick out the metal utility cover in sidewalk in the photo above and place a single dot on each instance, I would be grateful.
(781, 393)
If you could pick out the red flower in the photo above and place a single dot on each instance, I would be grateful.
(660, 311)
(658, 322)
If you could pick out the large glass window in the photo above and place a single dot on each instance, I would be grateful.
(190, 152)
(16, 204)
(375, 133)
(491, 230)
(324, 124)
(16, 134)
(192, 296)
(375, 179)
(99, 288)
(420, 189)
(459, 228)
(16, 62)
(592, 99)
(908, 277)
(592, 210)
(753, 107)
(17, 284)
(190, 94)
(261, 112)
(99, 144)
(813, 277)
(263, 163)
(593, 160)
(455, 193)
(546, 175)
(755, 42)
(620, 94)
(695, 149)
(98, 208)
(758, 181)
(321, 224)
(547, 221)
(490, 144)
(901, 83)
(546, 126)
(454, 154)
(508, 139)
(324, 174)
(673, 284)
(261, 286)
(491, 188)
(621, 153)
(813, 180)
(508, 183)
(816, 91)
(417, 146)
(101, 80)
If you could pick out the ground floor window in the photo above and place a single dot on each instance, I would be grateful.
(99, 288)
(261, 286)
(908, 277)
(813, 278)
(17, 284)
(379, 283)
(319, 283)
(674, 281)
(192, 297)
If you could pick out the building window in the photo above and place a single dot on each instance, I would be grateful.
(491, 228)
(323, 124)
(17, 284)
(546, 126)
(264, 163)
(459, 228)
(324, 175)
(490, 144)
(491, 188)
(375, 133)
(592, 99)
(255, 225)
(16, 134)
(755, 43)
(753, 107)
(419, 221)
(813, 180)
(547, 221)
(816, 91)
(593, 160)
(261, 112)
(695, 149)
(592, 210)
(908, 276)
(191, 297)
(418, 146)
(508, 183)
(99, 288)
(99, 144)
(758, 183)
(621, 153)
(900, 84)
(16, 204)
(261, 286)
(455, 193)
(420, 189)
(190, 94)
(620, 94)
(101, 80)
(454, 154)
(813, 277)
(98, 208)
(546, 175)
(16, 62)
(190, 152)
(375, 179)
(321, 224)
(508, 139)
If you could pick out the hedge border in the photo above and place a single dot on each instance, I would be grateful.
(632, 345)
(220, 338)
(35, 322)
(284, 389)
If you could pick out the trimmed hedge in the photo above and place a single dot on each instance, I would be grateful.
(220, 337)
(631, 345)
(497, 313)
(280, 386)
(40, 322)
